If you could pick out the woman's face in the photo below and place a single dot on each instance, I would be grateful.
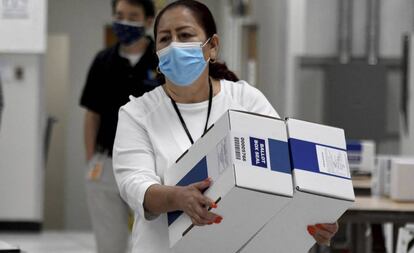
(178, 25)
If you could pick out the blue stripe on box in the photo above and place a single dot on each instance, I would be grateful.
(196, 174)
(279, 156)
(354, 146)
(304, 157)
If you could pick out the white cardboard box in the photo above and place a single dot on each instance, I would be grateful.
(402, 174)
(323, 189)
(381, 176)
(247, 157)
(361, 155)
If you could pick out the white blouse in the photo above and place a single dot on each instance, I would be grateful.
(150, 138)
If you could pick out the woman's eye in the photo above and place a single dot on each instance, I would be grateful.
(164, 39)
(186, 35)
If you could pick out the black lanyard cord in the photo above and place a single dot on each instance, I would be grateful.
(210, 102)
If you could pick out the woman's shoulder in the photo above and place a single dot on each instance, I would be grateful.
(145, 105)
(248, 97)
(240, 90)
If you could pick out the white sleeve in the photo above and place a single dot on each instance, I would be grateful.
(133, 162)
(254, 101)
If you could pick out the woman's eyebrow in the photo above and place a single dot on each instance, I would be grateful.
(177, 29)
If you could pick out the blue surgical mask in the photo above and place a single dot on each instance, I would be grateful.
(182, 63)
(128, 32)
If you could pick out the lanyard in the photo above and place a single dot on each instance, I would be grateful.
(210, 100)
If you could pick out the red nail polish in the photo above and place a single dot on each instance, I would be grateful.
(213, 205)
(311, 230)
(218, 219)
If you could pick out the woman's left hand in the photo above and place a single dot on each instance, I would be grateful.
(323, 233)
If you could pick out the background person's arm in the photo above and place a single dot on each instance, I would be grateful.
(91, 126)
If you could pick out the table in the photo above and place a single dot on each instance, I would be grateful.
(362, 185)
(375, 210)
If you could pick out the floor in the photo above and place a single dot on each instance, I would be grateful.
(52, 242)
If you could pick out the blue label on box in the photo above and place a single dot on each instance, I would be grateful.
(258, 152)
(196, 174)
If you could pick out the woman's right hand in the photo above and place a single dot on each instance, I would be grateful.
(191, 200)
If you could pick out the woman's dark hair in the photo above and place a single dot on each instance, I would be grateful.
(205, 19)
(147, 5)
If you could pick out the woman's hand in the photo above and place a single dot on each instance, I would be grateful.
(191, 200)
(323, 233)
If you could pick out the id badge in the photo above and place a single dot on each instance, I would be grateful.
(96, 169)
(95, 172)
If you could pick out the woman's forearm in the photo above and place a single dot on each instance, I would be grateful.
(161, 199)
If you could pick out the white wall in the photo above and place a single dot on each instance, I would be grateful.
(83, 22)
(21, 139)
(56, 82)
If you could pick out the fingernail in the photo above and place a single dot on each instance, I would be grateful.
(218, 219)
(311, 230)
(320, 226)
(207, 179)
(213, 205)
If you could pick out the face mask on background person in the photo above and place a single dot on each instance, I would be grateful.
(128, 32)
(182, 62)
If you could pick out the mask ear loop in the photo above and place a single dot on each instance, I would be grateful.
(205, 43)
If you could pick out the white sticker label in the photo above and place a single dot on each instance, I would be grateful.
(333, 161)
(223, 156)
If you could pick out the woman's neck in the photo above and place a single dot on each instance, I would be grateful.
(195, 93)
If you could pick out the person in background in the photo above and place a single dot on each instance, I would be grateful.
(155, 129)
(127, 68)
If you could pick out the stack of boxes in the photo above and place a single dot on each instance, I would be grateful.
(361, 156)
(401, 179)
(381, 176)
(271, 178)
(392, 177)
